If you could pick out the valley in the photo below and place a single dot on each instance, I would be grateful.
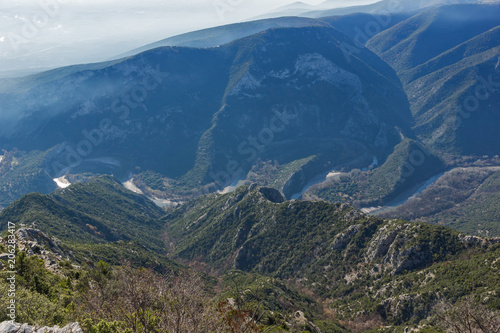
(334, 171)
(314, 250)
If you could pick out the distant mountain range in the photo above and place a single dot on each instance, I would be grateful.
(448, 59)
(385, 7)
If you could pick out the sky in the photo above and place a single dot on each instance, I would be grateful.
(36, 34)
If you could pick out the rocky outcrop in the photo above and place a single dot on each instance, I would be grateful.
(9, 327)
(408, 259)
(474, 241)
(341, 241)
(382, 241)
(394, 247)
(35, 242)
(29, 239)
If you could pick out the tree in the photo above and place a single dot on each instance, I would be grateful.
(467, 316)
(140, 301)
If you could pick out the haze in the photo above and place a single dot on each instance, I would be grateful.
(51, 33)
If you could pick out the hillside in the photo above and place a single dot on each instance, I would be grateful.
(432, 32)
(204, 126)
(410, 165)
(361, 263)
(464, 199)
(23, 173)
(328, 261)
(98, 220)
(362, 26)
(445, 56)
(227, 33)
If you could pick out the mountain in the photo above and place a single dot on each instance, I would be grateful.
(299, 8)
(465, 199)
(208, 115)
(217, 36)
(221, 35)
(386, 8)
(226, 128)
(389, 7)
(447, 58)
(285, 255)
(404, 171)
(97, 220)
(431, 33)
(361, 26)
(361, 263)
(22, 173)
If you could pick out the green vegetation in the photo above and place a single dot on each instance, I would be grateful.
(408, 166)
(290, 266)
(42, 297)
(480, 214)
(107, 299)
(284, 172)
(152, 180)
(282, 107)
(22, 173)
(393, 271)
(443, 56)
(98, 220)
(465, 199)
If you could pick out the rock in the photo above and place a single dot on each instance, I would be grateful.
(37, 238)
(4, 256)
(408, 259)
(35, 242)
(9, 327)
(472, 241)
(71, 328)
(406, 306)
(300, 318)
(341, 241)
(381, 242)
(25, 328)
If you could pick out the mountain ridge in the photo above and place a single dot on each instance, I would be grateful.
(241, 81)
(453, 62)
